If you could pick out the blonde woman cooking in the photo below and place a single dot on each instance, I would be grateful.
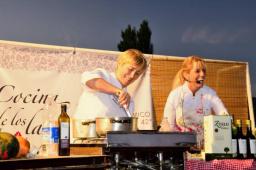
(105, 93)
(191, 100)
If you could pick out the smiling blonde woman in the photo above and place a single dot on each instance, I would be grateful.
(191, 100)
(105, 93)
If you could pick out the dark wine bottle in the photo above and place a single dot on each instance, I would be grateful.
(241, 141)
(250, 141)
(234, 137)
(64, 132)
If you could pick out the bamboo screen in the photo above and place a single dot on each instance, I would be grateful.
(228, 79)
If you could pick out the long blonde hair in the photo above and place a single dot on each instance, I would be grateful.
(186, 67)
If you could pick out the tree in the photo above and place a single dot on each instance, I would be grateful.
(144, 36)
(140, 39)
(129, 39)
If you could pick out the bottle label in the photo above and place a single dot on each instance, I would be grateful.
(64, 143)
(50, 139)
(242, 146)
(253, 146)
(46, 134)
(64, 134)
(54, 131)
(234, 146)
(50, 133)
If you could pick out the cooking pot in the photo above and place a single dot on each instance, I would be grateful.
(104, 124)
(84, 128)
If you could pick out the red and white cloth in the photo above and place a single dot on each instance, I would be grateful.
(225, 164)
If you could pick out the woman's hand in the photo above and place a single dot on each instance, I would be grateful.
(123, 98)
(103, 86)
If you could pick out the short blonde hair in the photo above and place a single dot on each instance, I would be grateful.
(132, 56)
(186, 67)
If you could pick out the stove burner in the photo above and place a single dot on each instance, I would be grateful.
(146, 161)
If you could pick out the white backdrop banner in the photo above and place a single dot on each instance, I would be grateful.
(30, 73)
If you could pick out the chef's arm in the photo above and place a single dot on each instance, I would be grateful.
(103, 86)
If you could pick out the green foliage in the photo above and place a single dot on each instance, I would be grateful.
(144, 36)
(129, 39)
(140, 39)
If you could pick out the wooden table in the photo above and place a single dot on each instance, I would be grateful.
(88, 149)
(57, 162)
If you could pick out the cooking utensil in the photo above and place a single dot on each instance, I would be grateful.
(134, 124)
(104, 124)
(91, 130)
(122, 124)
(127, 110)
(125, 107)
(84, 128)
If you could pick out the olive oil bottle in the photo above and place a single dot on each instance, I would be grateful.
(64, 132)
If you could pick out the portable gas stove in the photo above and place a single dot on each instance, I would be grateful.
(138, 150)
(149, 149)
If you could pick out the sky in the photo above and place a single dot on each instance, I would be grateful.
(214, 29)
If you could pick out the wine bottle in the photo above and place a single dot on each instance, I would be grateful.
(250, 141)
(234, 137)
(64, 132)
(241, 149)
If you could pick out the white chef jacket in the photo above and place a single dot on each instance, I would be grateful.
(94, 104)
(185, 112)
